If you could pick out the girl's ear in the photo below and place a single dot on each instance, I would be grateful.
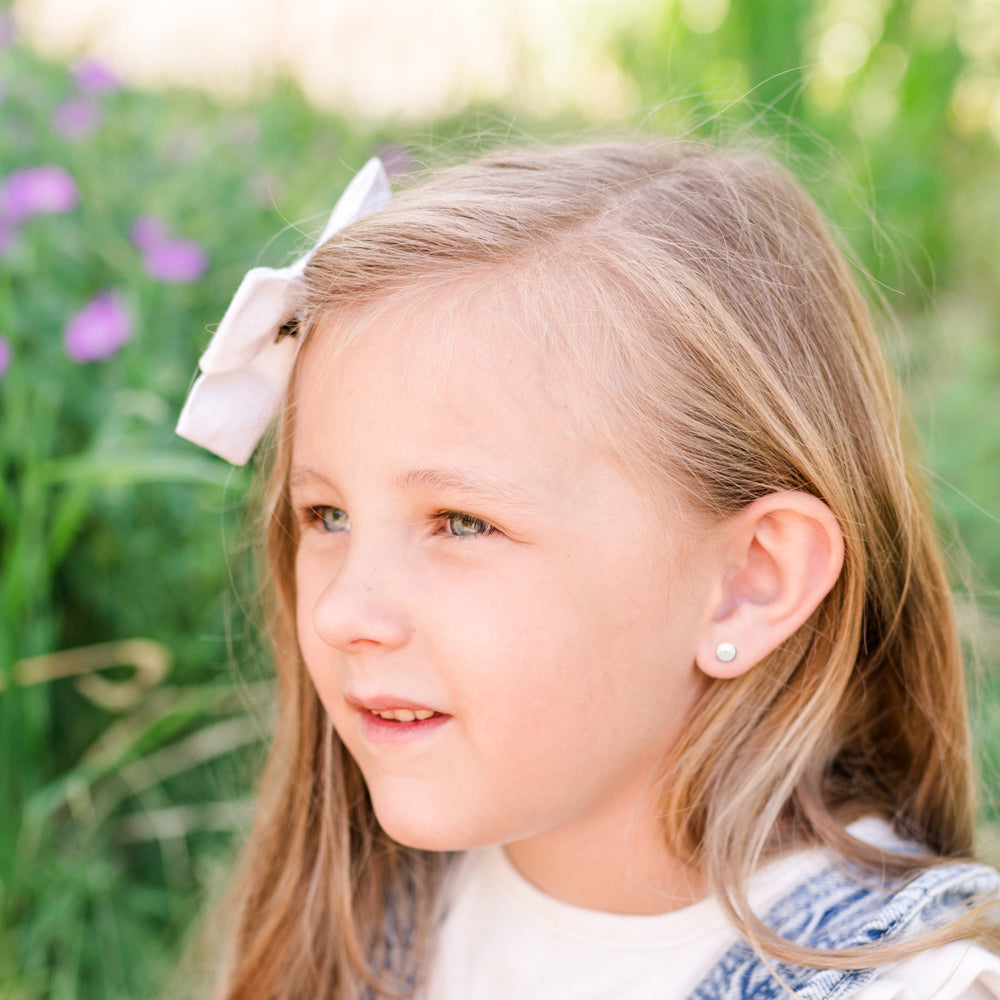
(782, 555)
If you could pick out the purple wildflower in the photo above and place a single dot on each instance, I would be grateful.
(175, 261)
(98, 329)
(93, 77)
(244, 130)
(266, 189)
(395, 159)
(165, 258)
(147, 232)
(5, 355)
(77, 117)
(37, 191)
(7, 30)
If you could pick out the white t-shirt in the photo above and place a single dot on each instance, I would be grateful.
(503, 939)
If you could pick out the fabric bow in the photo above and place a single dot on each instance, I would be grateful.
(248, 363)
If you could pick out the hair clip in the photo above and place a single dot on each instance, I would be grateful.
(246, 367)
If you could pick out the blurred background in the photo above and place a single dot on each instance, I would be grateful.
(150, 153)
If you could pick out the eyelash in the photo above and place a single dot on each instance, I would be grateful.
(447, 515)
(314, 516)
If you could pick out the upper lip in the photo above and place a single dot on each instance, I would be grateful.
(385, 703)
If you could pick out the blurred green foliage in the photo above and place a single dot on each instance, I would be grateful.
(118, 802)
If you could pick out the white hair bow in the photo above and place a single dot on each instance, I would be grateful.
(247, 364)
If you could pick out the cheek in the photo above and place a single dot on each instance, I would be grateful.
(308, 588)
(552, 641)
(304, 599)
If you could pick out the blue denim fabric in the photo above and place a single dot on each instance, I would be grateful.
(840, 908)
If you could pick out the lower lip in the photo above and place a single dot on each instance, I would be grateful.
(375, 729)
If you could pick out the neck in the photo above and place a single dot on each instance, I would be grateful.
(605, 867)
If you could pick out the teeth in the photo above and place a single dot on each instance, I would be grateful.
(405, 714)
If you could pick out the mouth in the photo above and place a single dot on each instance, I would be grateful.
(404, 714)
(394, 712)
(394, 723)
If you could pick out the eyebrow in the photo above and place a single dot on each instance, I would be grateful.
(306, 476)
(465, 486)
(459, 486)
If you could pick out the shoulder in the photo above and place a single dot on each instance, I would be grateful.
(842, 907)
(958, 971)
(838, 906)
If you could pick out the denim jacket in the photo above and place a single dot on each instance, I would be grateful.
(836, 908)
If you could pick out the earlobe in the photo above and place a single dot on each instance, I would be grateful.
(782, 555)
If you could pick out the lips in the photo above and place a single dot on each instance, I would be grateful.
(391, 708)
(395, 723)
(405, 714)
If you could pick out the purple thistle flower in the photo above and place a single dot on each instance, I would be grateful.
(99, 329)
(175, 261)
(77, 117)
(37, 191)
(5, 355)
(395, 159)
(93, 77)
(7, 30)
(244, 130)
(165, 258)
(147, 232)
(267, 189)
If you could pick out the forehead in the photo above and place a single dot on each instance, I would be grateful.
(479, 335)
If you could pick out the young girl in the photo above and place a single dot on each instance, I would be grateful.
(616, 655)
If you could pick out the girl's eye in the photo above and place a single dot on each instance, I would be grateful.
(463, 525)
(331, 518)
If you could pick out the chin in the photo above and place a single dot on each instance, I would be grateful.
(424, 832)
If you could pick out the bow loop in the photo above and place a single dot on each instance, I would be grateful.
(248, 362)
(264, 302)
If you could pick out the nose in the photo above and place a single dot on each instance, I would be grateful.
(361, 606)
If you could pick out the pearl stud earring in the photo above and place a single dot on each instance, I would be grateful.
(726, 652)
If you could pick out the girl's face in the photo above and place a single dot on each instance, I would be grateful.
(501, 625)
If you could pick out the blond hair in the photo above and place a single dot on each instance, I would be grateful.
(732, 350)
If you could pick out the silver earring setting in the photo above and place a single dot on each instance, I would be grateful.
(725, 651)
